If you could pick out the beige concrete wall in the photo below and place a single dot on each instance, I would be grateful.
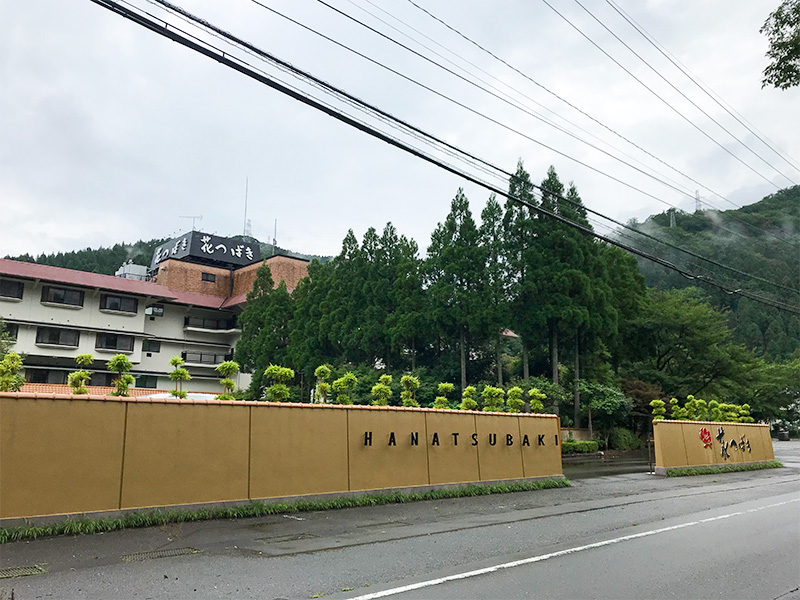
(59, 455)
(678, 443)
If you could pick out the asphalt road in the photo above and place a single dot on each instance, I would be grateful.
(616, 536)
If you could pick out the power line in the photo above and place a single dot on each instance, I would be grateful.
(172, 33)
(692, 102)
(649, 89)
(490, 119)
(587, 115)
(560, 98)
(703, 87)
(426, 137)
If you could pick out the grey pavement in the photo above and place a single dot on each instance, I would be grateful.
(352, 551)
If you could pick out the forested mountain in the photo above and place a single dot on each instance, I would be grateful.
(106, 261)
(762, 240)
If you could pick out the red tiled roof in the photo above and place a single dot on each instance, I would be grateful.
(26, 270)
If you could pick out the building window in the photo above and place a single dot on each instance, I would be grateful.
(103, 379)
(147, 381)
(155, 310)
(12, 330)
(11, 289)
(46, 376)
(120, 303)
(58, 337)
(62, 296)
(112, 341)
(205, 358)
(203, 323)
(209, 277)
(151, 346)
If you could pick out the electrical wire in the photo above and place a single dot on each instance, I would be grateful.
(703, 87)
(685, 97)
(174, 34)
(654, 93)
(478, 113)
(419, 134)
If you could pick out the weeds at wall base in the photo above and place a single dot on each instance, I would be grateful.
(87, 526)
(713, 469)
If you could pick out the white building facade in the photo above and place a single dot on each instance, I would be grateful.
(187, 309)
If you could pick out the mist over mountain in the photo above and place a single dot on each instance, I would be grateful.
(761, 239)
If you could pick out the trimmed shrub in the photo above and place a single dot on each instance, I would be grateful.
(570, 446)
(467, 400)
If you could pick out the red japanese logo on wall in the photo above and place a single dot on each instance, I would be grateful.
(705, 436)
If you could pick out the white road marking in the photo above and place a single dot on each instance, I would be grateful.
(535, 559)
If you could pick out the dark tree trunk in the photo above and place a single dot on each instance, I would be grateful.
(499, 360)
(463, 345)
(576, 394)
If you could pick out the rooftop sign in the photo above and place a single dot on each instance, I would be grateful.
(207, 248)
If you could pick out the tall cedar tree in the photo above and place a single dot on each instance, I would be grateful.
(522, 258)
(265, 329)
(453, 269)
(495, 313)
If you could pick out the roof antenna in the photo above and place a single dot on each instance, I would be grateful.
(246, 182)
(193, 218)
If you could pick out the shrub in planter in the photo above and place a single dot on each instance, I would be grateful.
(493, 399)
(410, 385)
(323, 388)
(514, 402)
(279, 376)
(441, 400)
(77, 380)
(344, 387)
(468, 401)
(381, 392)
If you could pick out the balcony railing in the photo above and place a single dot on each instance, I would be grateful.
(205, 358)
(209, 324)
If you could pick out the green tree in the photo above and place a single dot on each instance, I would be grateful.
(10, 379)
(179, 374)
(607, 406)
(685, 346)
(536, 398)
(453, 269)
(782, 29)
(121, 365)
(77, 380)
(265, 329)
(5, 339)
(228, 369)
(522, 258)
(494, 308)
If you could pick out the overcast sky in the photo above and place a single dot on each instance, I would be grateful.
(111, 133)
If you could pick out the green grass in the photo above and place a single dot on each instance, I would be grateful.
(86, 525)
(732, 468)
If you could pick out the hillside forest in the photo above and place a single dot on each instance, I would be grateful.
(514, 297)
